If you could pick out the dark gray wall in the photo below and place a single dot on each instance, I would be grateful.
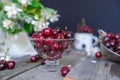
(103, 14)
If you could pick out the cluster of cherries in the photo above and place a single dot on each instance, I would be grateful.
(112, 41)
(37, 57)
(7, 64)
(86, 29)
(51, 42)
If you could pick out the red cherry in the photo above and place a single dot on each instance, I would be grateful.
(43, 62)
(2, 65)
(46, 48)
(63, 33)
(117, 47)
(58, 29)
(117, 36)
(86, 28)
(55, 46)
(107, 44)
(81, 28)
(34, 35)
(64, 71)
(69, 35)
(39, 33)
(65, 45)
(54, 32)
(47, 32)
(106, 39)
(38, 56)
(58, 55)
(33, 59)
(98, 55)
(59, 36)
(110, 35)
(48, 41)
(37, 45)
(51, 54)
(10, 64)
(40, 40)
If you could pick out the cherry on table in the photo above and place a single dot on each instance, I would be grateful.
(64, 71)
(2, 65)
(10, 64)
(98, 55)
(33, 59)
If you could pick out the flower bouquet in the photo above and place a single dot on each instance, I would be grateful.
(24, 16)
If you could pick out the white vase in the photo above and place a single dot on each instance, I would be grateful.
(19, 45)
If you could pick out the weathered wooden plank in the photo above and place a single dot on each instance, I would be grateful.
(21, 66)
(101, 70)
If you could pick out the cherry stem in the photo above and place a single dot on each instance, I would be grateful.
(83, 22)
(6, 53)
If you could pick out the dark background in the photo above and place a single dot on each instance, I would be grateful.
(99, 14)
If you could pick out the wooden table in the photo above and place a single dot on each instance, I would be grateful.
(83, 68)
(91, 69)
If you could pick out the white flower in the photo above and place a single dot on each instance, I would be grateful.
(36, 17)
(8, 24)
(39, 25)
(12, 11)
(25, 2)
(50, 16)
(54, 17)
(28, 20)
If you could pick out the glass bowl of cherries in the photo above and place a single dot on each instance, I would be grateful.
(50, 44)
(110, 45)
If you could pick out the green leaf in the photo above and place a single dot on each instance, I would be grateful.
(50, 10)
(1, 16)
(1, 6)
(15, 1)
(35, 3)
(28, 27)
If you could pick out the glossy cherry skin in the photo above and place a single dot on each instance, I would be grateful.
(47, 32)
(65, 45)
(46, 48)
(39, 33)
(58, 29)
(59, 36)
(55, 46)
(40, 39)
(34, 35)
(2, 65)
(43, 62)
(81, 28)
(117, 36)
(10, 64)
(55, 32)
(98, 55)
(64, 71)
(51, 53)
(69, 35)
(64, 33)
(33, 59)
(110, 35)
(86, 28)
(48, 41)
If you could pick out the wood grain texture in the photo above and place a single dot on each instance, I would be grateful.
(21, 66)
(101, 70)
(29, 71)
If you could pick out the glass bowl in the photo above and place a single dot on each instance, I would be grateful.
(109, 54)
(51, 50)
